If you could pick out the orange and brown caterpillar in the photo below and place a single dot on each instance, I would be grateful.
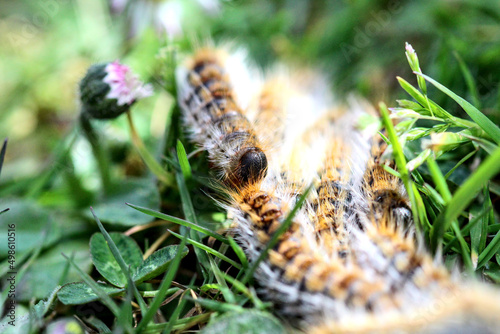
(216, 121)
(350, 261)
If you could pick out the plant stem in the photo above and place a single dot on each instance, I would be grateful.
(146, 156)
(98, 150)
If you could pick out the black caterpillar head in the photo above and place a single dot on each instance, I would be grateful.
(252, 166)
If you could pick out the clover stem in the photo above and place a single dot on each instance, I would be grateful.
(147, 157)
(98, 149)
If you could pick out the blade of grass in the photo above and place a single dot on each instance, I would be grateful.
(464, 159)
(125, 317)
(466, 229)
(420, 98)
(175, 315)
(181, 324)
(65, 271)
(189, 213)
(208, 249)
(239, 252)
(153, 293)
(435, 108)
(463, 196)
(226, 292)
(489, 251)
(61, 152)
(285, 225)
(243, 289)
(442, 187)
(183, 161)
(478, 117)
(163, 290)
(391, 171)
(469, 80)
(179, 221)
(2, 154)
(480, 233)
(485, 144)
(96, 323)
(217, 306)
(494, 228)
(401, 163)
(119, 259)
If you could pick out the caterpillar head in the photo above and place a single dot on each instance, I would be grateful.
(251, 166)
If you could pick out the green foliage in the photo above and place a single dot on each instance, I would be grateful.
(446, 149)
(112, 208)
(104, 260)
(80, 293)
(244, 322)
(440, 212)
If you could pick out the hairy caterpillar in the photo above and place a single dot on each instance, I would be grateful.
(218, 123)
(350, 262)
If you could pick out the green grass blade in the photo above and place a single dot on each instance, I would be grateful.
(163, 290)
(189, 213)
(469, 80)
(183, 161)
(180, 306)
(464, 159)
(179, 221)
(217, 306)
(464, 195)
(153, 293)
(2, 154)
(125, 317)
(439, 179)
(226, 292)
(442, 187)
(486, 220)
(467, 228)
(423, 100)
(401, 163)
(180, 325)
(65, 271)
(489, 251)
(243, 289)
(239, 252)
(208, 250)
(481, 120)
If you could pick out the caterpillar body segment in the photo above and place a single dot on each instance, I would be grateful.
(384, 193)
(216, 121)
(303, 274)
(471, 309)
(351, 261)
(270, 114)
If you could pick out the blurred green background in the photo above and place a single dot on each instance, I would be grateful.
(46, 47)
